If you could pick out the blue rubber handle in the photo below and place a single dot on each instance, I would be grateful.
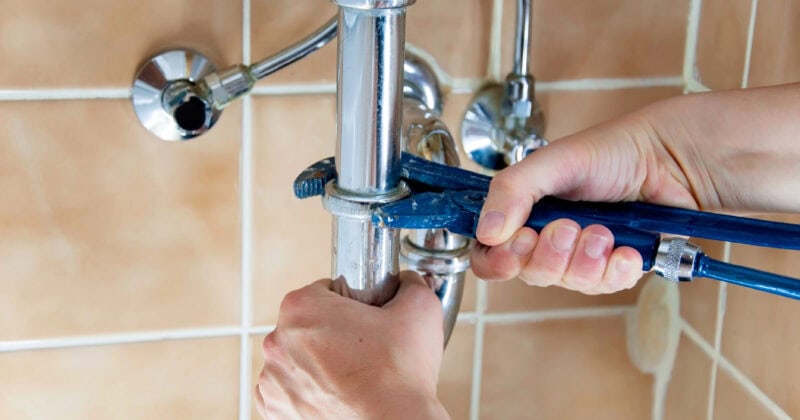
(544, 212)
(645, 242)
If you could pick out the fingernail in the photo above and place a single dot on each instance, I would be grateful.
(490, 224)
(522, 244)
(594, 246)
(564, 237)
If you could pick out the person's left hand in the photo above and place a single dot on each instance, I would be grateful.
(334, 357)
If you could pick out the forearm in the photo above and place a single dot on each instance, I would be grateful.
(739, 150)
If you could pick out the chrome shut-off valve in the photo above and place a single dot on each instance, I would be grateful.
(504, 123)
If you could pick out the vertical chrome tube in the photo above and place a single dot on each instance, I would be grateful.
(521, 40)
(371, 35)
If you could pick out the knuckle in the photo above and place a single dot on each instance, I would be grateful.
(269, 347)
(293, 302)
(539, 276)
(583, 284)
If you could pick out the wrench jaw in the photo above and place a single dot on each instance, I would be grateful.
(430, 210)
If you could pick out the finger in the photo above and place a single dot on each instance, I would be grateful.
(513, 191)
(588, 264)
(623, 271)
(505, 261)
(414, 294)
(552, 253)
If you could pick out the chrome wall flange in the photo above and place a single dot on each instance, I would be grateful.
(164, 99)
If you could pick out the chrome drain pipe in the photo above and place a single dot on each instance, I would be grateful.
(369, 89)
(440, 257)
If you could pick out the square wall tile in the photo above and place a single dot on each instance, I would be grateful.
(774, 58)
(457, 36)
(516, 296)
(567, 112)
(562, 369)
(277, 24)
(576, 39)
(687, 394)
(292, 238)
(197, 379)
(455, 379)
(722, 43)
(732, 401)
(97, 43)
(111, 229)
(760, 330)
(699, 297)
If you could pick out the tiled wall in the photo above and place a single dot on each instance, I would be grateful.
(138, 277)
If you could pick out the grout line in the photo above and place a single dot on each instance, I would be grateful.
(457, 86)
(122, 338)
(735, 373)
(694, 86)
(493, 64)
(261, 330)
(539, 316)
(749, 49)
(246, 223)
(298, 89)
(477, 355)
(7, 95)
(609, 84)
(690, 51)
(753, 389)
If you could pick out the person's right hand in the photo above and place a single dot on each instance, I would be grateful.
(706, 151)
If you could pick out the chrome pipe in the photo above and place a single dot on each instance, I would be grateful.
(296, 52)
(522, 37)
(369, 89)
(440, 257)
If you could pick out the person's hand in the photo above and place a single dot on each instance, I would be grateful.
(334, 357)
(732, 150)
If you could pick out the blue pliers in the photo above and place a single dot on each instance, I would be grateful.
(451, 198)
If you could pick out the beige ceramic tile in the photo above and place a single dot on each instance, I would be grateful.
(456, 34)
(699, 297)
(721, 43)
(562, 369)
(458, 38)
(774, 57)
(107, 229)
(195, 379)
(759, 336)
(567, 112)
(101, 43)
(516, 296)
(687, 395)
(575, 39)
(734, 402)
(277, 24)
(455, 379)
(292, 238)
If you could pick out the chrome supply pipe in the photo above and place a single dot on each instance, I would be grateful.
(440, 257)
(369, 113)
(504, 123)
